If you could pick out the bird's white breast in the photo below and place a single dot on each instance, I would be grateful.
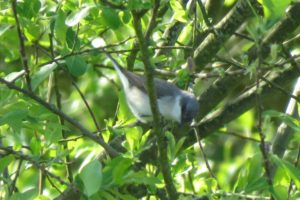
(169, 107)
(139, 103)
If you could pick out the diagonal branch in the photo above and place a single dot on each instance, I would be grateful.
(22, 156)
(220, 88)
(224, 29)
(112, 152)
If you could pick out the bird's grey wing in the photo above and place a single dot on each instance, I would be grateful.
(135, 80)
(163, 88)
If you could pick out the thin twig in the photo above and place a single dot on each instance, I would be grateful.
(241, 35)
(87, 106)
(53, 185)
(240, 136)
(12, 187)
(59, 106)
(280, 89)
(204, 14)
(241, 196)
(112, 152)
(102, 50)
(259, 113)
(22, 46)
(205, 158)
(70, 139)
(153, 22)
(22, 156)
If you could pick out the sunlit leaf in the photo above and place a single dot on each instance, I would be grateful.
(180, 13)
(60, 27)
(72, 39)
(5, 161)
(291, 170)
(274, 9)
(126, 17)
(142, 178)
(133, 136)
(42, 75)
(29, 8)
(75, 17)
(91, 175)
(111, 18)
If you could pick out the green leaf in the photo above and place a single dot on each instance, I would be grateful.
(139, 4)
(124, 113)
(76, 65)
(120, 170)
(171, 144)
(32, 31)
(114, 172)
(179, 12)
(27, 195)
(53, 133)
(35, 146)
(42, 74)
(275, 9)
(250, 177)
(4, 162)
(126, 16)
(141, 177)
(29, 8)
(72, 39)
(133, 136)
(75, 17)
(291, 170)
(287, 119)
(91, 176)
(111, 18)
(280, 192)
(60, 27)
(178, 145)
(13, 75)
(14, 118)
(4, 28)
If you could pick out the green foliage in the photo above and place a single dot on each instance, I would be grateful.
(275, 9)
(76, 65)
(91, 176)
(179, 12)
(39, 147)
(111, 18)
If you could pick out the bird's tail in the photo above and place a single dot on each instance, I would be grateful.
(120, 70)
(116, 65)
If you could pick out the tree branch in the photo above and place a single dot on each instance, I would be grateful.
(112, 152)
(22, 46)
(284, 132)
(222, 86)
(163, 158)
(224, 29)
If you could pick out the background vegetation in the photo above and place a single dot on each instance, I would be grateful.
(65, 127)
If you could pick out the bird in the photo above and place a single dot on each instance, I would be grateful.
(173, 103)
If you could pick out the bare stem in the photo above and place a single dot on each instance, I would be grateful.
(22, 46)
(157, 130)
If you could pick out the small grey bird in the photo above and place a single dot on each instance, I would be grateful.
(173, 104)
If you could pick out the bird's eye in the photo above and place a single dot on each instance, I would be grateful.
(183, 109)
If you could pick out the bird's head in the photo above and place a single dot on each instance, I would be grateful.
(189, 107)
